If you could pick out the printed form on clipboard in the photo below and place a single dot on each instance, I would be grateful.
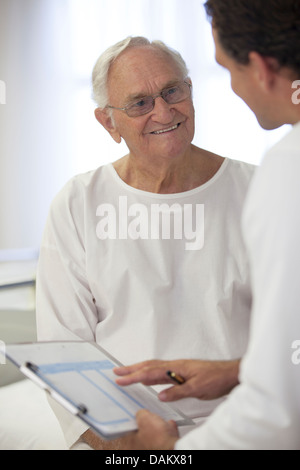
(79, 375)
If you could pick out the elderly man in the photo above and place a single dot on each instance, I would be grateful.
(263, 412)
(145, 255)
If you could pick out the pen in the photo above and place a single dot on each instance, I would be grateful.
(177, 378)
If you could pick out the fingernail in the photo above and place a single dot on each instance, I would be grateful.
(162, 396)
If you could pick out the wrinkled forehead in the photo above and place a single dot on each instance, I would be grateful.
(141, 70)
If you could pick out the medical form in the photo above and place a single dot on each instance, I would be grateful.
(79, 375)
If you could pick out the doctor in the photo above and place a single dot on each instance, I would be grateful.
(259, 43)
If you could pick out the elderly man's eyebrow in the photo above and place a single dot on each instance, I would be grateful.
(138, 96)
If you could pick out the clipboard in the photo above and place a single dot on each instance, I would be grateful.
(79, 375)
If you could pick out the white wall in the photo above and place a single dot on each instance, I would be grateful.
(47, 128)
(34, 124)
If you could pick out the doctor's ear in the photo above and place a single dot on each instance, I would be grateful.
(106, 120)
(265, 70)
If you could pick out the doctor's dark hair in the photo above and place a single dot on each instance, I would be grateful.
(269, 27)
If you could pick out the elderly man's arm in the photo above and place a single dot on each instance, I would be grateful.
(96, 443)
(153, 434)
(205, 380)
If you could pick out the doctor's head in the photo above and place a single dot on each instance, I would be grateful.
(259, 43)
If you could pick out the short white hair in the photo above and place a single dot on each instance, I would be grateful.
(103, 64)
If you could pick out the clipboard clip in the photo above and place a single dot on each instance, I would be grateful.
(82, 409)
(31, 366)
(31, 371)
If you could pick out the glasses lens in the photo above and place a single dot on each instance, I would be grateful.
(171, 95)
(177, 93)
(144, 106)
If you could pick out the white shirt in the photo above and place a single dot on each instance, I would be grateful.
(264, 411)
(107, 274)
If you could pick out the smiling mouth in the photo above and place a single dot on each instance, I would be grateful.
(173, 128)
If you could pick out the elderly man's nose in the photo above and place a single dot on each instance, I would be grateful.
(162, 110)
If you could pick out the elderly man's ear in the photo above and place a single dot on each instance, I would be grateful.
(103, 116)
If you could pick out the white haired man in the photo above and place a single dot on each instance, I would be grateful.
(145, 255)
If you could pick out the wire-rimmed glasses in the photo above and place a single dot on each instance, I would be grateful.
(145, 105)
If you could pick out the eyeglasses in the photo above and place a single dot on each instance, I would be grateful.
(145, 105)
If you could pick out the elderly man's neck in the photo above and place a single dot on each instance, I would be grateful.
(172, 176)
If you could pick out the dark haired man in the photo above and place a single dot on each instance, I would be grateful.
(259, 43)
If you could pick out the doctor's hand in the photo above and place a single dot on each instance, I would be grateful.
(153, 433)
(205, 380)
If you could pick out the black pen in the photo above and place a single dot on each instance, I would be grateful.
(177, 378)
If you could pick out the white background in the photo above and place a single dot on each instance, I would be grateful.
(48, 132)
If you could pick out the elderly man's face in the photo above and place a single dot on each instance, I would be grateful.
(141, 72)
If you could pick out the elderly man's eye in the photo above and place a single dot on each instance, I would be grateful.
(172, 91)
(139, 104)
